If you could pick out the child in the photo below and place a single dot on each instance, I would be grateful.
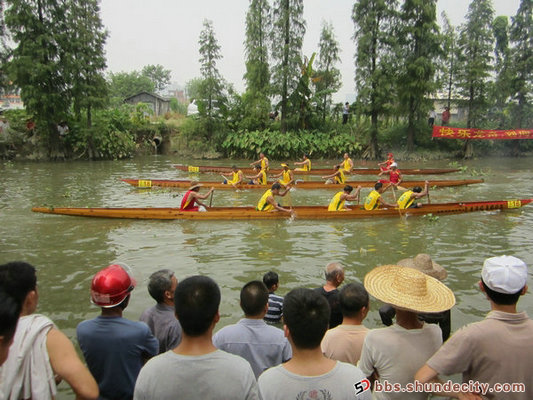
(275, 302)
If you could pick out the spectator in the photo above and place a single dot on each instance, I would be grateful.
(432, 117)
(9, 316)
(309, 373)
(394, 354)
(263, 346)
(344, 342)
(498, 349)
(334, 275)
(275, 302)
(114, 347)
(161, 318)
(196, 369)
(445, 116)
(345, 113)
(424, 263)
(41, 354)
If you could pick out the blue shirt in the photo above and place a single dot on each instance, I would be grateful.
(162, 321)
(115, 349)
(262, 345)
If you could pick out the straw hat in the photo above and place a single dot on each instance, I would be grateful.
(194, 185)
(409, 289)
(425, 264)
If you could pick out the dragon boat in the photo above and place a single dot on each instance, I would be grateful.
(300, 212)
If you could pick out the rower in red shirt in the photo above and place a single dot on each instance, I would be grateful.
(395, 177)
(385, 165)
(191, 199)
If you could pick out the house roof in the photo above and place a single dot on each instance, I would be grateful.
(149, 94)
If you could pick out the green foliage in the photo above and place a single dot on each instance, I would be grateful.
(126, 84)
(37, 66)
(281, 146)
(328, 76)
(159, 76)
(211, 87)
(287, 39)
(376, 64)
(521, 35)
(475, 47)
(258, 26)
(419, 46)
(178, 107)
(85, 43)
(193, 87)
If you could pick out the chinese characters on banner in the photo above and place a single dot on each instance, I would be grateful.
(464, 133)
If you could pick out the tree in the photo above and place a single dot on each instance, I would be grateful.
(212, 87)
(86, 63)
(4, 51)
(475, 62)
(256, 44)
(521, 36)
(448, 68)
(126, 84)
(419, 44)
(502, 87)
(328, 75)
(193, 88)
(375, 63)
(287, 39)
(256, 98)
(159, 76)
(38, 63)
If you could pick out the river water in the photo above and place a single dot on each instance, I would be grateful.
(68, 251)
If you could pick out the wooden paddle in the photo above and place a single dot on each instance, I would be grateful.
(211, 199)
(394, 195)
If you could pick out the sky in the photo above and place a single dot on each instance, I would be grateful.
(166, 32)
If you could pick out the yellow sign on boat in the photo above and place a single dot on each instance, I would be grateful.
(514, 204)
(193, 169)
(144, 183)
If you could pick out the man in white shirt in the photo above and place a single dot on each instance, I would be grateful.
(392, 355)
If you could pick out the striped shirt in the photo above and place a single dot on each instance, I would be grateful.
(275, 309)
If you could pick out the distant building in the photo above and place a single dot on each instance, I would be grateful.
(160, 105)
(11, 102)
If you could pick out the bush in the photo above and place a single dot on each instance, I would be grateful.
(280, 146)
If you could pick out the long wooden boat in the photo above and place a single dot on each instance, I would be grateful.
(149, 183)
(300, 212)
(319, 171)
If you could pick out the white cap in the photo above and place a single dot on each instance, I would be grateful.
(504, 274)
(394, 164)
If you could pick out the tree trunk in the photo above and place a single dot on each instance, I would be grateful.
(411, 128)
(373, 145)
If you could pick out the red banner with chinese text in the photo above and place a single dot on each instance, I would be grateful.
(448, 132)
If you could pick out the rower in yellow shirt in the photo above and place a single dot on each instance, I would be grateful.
(337, 202)
(374, 199)
(305, 164)
(237, 177)
(260, 178)
(263, 161)
(346, 164)
(287, 177)
(268, 202)
(337, 177)
(407, 199)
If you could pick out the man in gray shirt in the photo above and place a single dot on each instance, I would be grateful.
(309, 374)
(196, 369)
(262, 345)
(160, 318)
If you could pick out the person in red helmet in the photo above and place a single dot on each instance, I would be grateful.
(114, 347)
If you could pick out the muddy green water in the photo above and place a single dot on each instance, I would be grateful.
(68, 251)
